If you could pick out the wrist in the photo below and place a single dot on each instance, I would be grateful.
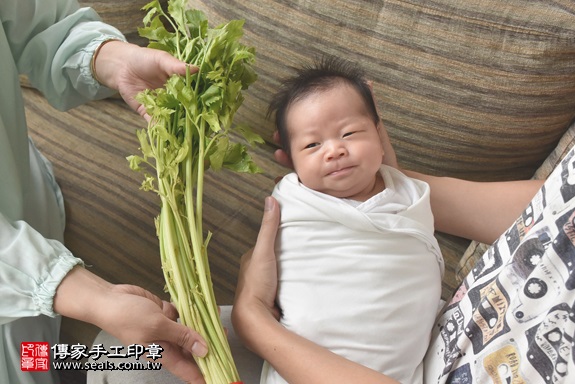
(107, 61)
(76, 290)
(254, 324)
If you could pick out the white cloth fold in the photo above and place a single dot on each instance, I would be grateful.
(361, 279)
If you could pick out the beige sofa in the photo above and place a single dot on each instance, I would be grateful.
(483, 90)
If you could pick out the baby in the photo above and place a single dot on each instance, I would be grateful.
(359, 268)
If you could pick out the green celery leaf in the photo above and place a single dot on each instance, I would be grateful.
(213, 120)
(135, 162)
(239, 160)
(145, 146)
(197, 22)
(219, 153)
(177, 10)
(148, 183)
(152, 7)
(248, 134)
(212, 97)
(155, 31)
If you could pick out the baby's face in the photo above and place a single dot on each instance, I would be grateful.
(335, 145)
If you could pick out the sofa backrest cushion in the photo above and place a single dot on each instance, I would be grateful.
(476, 89)
(126, 15)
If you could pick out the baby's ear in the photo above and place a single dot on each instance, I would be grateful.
(283, 158)
(281, 155)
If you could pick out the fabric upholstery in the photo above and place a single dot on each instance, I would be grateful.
(475, 89)
(126, 15)
(480, 90)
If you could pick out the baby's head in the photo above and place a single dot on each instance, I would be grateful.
(320, 76)
(328, 125)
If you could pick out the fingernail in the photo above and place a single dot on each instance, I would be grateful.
(268, 204)
(199, 349)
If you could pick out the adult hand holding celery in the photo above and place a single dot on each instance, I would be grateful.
(191, 120)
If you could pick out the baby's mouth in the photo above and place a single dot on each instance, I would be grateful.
(340, 171)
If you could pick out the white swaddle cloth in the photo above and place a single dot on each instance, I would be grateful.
(360, 279)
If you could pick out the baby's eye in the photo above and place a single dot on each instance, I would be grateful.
(348, 134)
(312, 145)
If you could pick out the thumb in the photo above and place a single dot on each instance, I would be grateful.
(185, 338)
(182, 340)
(172, 65)
(268, 230)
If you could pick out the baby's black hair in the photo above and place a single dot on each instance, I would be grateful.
(321, 75)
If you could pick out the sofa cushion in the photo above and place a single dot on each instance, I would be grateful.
(480, 90)
(126, 15)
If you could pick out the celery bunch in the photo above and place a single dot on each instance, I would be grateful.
(191, 119)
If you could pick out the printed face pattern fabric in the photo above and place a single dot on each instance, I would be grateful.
(513, 318)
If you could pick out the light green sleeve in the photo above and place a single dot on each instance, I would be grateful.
(65, 36)
(28, 287)
(52, 41)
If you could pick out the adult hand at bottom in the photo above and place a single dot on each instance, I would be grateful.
(134, 316)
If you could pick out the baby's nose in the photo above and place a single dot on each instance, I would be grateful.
(335, 150)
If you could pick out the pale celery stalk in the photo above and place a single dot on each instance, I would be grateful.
(191, 119)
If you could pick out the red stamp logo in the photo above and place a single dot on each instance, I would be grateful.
(35, 356)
